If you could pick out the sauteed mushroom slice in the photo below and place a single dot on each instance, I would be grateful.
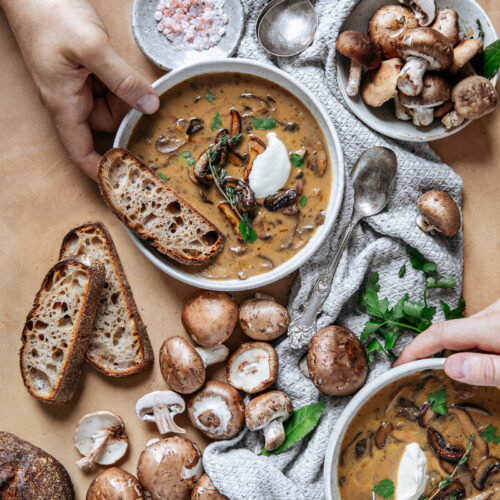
(195, 125)
(237, 159)
(232, 218)
(242, 191)
(283, 198)
(454, 490)
(251, 95)
(255, 147)
(442, 448)
(486, 468)
(321, 157)
(201, 170)
(382, 434)
(426, 415)
(167, 144)
(235, 127)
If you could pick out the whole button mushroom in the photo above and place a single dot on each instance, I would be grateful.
(161, 407)
(204, 489)
(115, 484)
(252, 367)
(210, 317)
(169, 468)
(380, 85)
(336, 361)
(268, 411)
(217, 410)
(438, 211)
(184, 367)
(263, 319)
(100, 437)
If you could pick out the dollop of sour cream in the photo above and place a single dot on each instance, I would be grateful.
(412, 473)
(270, 169)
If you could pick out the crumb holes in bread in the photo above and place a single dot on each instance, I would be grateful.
(210, 238)
(174, 207)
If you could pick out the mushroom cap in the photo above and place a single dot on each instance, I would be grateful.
(94, 424)
(474, 97)
(252, 367)
(435, 92)
(217, 410)
(169, 468)
(270, 406)
(145, 404)
(181, 366)
(427, 44)
(464, 52)
(210, 317)
(337, 361)
(380, 85)
(358, 47)
(388, 24)
(263, 319)
(204, 489)
(441, 211)
(446, 22)
(115, 484)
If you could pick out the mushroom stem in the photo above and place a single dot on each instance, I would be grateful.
(424, 224)
(352, 87)
(100, 437)
(212, 355)
(452, 120)
(274, 434)
(165, 421)
(401, 111)
(304, 369)
(410, 78)
(423, 116)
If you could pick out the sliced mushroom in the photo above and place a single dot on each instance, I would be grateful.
(235, 127)
(268, 411)
(486, 468)
(385, 428)
(409, 410)
(492, 493)
(201, 170)
(251, 95)
(210, 317)
(204, 489)
(263, 319)
(232, 217)
(242, 191)
(217, 410)
(184, 367)
(237, 159)
(426, 415)
(255, 147)
(283, 198)
(425, 10)
(168, 144)
(195, 125)
(100, 437)
(252, 367)
(161, 407)
(169, 468)
(472, 408)
(321, 157)
(442, 448)
(453, 490)
(438, 211)
(115, 484)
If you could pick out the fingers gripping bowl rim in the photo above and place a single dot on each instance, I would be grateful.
(332, 144)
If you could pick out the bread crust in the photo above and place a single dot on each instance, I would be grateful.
(161, 245)
(139, 329)
(78, 344)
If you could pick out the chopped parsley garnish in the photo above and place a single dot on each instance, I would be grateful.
(210, 97)
(297, 160)
(216, 122)
(456, 313)
(186, 159)
(438, 401)
(303, 200)
(490, 434)
(267, 123)
(162, 177)
(246, 230)
(402, 271)
(385, 488)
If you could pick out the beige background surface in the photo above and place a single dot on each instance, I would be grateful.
(42, 196)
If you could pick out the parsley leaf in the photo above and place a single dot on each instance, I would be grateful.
(419, 262)
(385, 488)
(490, 434)
(216, 122)
(303, 200)
(186, 159)
(267, 123)
(297, 160)
(456, 313)
(438, 401)
(210, 97)
(162, 177)
(441, 283)
(402, 271)
(246, 230)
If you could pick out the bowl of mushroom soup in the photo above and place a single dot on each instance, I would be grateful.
(380, 115)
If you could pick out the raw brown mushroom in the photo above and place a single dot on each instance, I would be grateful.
(446, 23)
(464, 52)
(474, 97)
(438, 211)
(425, 10)
(115, 484)
(169, 468)
(336, 361)
(362, 52)
(184, 367)
(217, 410)
(380, 85)
(210, 317)
(204, 489)
(263, 319)
(252, 367)
(388, 24)
(401, 112)
(161, 407)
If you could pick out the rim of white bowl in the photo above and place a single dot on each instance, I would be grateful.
(279, 77)
(358, 400)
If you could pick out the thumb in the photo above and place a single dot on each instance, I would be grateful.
(474, 369)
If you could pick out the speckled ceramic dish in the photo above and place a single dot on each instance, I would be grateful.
(382, 119)
(161, 52)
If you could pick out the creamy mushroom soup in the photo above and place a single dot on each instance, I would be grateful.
(397, 436)
(278, 171)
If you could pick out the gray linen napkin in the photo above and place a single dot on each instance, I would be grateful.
(378, 244)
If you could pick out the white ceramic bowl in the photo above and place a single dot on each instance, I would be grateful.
(332, 143)
(337, 436)
(382, 119)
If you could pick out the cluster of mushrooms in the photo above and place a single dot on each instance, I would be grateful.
(416, 56)
(171, 468)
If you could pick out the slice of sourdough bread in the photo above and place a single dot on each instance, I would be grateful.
(155, 212)
(119, 344)
(57, 330)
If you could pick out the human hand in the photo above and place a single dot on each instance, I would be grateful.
(479, 331)
(82, 81)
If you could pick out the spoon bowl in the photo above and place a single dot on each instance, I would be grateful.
(287, 27)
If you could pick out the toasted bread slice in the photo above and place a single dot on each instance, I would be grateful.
(119, 344)
(57, 330)
(155, 212)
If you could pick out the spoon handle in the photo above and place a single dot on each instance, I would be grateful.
(303, 327)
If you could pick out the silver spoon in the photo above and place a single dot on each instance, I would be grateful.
(373, 178)
(287, 27)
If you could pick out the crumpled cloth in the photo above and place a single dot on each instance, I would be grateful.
(378, 244)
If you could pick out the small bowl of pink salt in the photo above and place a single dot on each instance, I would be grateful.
(174, 33)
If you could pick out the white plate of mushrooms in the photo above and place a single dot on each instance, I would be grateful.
(425, 50)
